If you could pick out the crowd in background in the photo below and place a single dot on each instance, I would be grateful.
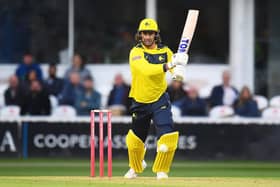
(190, 104)
(31, 92)
(28, 90)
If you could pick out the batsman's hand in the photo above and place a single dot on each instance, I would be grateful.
(179, 73)
(178, 59)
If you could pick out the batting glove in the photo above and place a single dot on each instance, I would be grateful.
(178, 59)
(179, 73)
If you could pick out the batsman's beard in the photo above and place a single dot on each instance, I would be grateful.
(148, 42)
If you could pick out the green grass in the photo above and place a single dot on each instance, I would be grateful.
(74, 172)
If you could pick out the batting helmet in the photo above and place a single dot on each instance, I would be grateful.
(148, 24)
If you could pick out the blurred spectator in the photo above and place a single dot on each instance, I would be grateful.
(88, 98)
(37, 100)
(70, 90)
(246, 106)
(119, 95)
(31, 76)
(78, 66)
(176, 92)
(26, 66)
(192, 105)
(14, 94)
(53, 84)
(224, 94)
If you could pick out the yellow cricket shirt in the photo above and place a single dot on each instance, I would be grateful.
(148, 76)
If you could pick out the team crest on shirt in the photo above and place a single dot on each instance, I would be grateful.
(161, 58)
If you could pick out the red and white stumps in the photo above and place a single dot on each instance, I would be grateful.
(101, 113)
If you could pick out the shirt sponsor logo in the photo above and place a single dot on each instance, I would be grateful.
(136, 58)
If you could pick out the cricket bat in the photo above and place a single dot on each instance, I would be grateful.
(188, 31)
(185, 41)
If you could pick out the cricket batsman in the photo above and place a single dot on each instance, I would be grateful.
(149, 61)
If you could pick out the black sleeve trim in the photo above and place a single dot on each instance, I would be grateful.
(164, 67)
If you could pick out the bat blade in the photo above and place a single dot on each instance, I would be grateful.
(188, 31)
